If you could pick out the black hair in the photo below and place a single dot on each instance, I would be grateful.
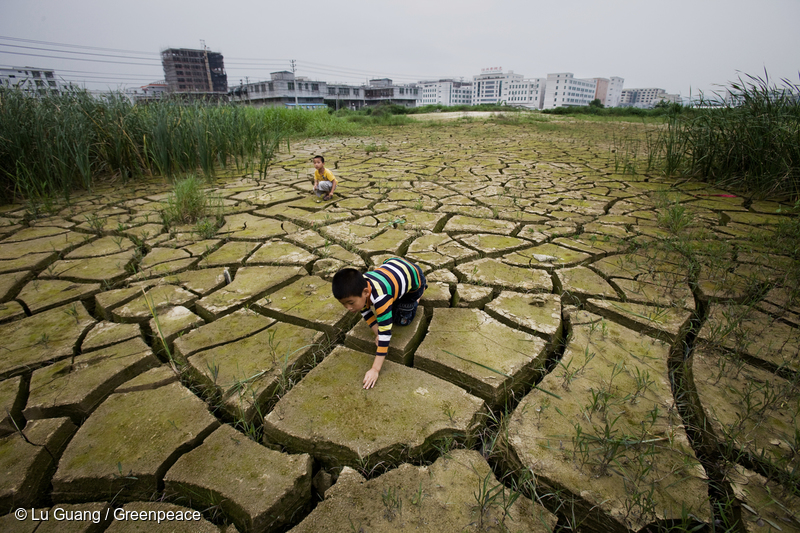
(318, 157)
(348, 282)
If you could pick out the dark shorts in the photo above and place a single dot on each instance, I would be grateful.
(405, 309)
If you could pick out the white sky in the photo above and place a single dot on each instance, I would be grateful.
(679, 46)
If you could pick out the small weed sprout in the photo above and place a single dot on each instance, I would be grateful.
(492, 495)
(392, 503)
(213, 369)
(72, 311)
(568, 374)
(444, 446)
(642, 381)
(449, 411)
(44, 340)
(416, 499)
(96, 224)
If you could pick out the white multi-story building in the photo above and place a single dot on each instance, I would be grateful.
(494, 86)
(447, 92)
(283, 89)
(609, 91)
(146, 93)
(490, 85)
(526, 92)
(563, 89)
(645, 98)
(30, 79)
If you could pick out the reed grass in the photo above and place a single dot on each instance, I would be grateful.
(746, 138)
(54, 144)
(187, 203)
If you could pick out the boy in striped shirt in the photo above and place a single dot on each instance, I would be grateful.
(385, 296)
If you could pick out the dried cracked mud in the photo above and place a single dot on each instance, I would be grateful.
(596, 351)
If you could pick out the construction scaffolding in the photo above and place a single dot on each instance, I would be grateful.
(194, 71)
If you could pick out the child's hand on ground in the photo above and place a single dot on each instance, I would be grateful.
(370, 378)
(329, 196)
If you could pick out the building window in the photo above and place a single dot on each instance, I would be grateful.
(315, 86)
(332, 90)
(291, 85)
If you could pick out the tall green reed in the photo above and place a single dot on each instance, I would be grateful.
(54, 144)
(748, 137)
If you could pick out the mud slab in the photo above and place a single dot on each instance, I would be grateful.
(43, 338)
(159, 426)
(470, 349)
(332, 417)
(26, 463)
(404, 339)
(247, 375)
(569, 428)
(73, 388)
(258, 488)
(436, 498)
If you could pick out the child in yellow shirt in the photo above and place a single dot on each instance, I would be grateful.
(324, 180)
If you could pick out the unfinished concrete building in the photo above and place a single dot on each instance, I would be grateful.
(194, 71)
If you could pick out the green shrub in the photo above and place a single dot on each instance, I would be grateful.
(187, 203)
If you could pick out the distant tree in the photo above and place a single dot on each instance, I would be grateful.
(596, 103)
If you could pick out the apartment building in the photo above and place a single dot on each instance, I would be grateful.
(343, 95)
(564, 89)
(384, 91)
(447, 92)
(645, 98)
(525, 92)
(30, 79)
(194, 71)
(148, 93)
(283, 89)
(488, 87)
(609, 91)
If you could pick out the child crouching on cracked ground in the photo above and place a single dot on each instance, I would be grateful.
(387, 295)
(324, 180)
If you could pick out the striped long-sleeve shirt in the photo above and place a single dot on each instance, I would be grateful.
(389, 282)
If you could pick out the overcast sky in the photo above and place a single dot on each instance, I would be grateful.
(679, 45)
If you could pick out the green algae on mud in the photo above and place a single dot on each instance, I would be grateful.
(44, 338)
(474, 351)
(248, 375)
(455, 493)
(607, 414)
(278, 486)
(125, 447)
(332, 417)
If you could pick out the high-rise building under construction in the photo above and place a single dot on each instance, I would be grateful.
(194, 71)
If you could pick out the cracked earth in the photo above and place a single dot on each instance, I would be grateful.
(580, 325)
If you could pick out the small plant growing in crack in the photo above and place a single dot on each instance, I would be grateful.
(392, 503)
